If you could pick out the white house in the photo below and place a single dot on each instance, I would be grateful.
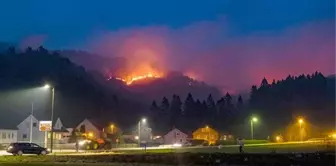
(88, 127)
(60, 132)
(7, 136)
(175, 136)
(27, 126)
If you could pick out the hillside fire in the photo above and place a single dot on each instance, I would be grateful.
(131, 79)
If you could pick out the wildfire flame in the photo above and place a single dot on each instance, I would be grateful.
(128, 80)
(132, 79)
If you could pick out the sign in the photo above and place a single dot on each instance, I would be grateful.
(45, 126)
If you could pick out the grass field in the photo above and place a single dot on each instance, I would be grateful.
(260, 148)
(162, 157)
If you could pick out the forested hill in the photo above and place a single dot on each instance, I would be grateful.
(312, 96)
(77, 94)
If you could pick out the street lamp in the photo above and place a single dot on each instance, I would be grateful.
(143, 120)
(300, 121)
(253, 120)
(47, 86)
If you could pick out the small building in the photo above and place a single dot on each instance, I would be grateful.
(175, 136)
(206, 133)
(7, 136)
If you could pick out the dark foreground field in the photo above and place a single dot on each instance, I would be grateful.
(161, 159)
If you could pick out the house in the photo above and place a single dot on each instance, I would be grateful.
(175, 136)
(60, 132)
(206, 133)
(90, 128)
(30, 125)
(8, 136)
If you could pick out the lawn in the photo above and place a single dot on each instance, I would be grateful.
(262, 154)
(278, 148)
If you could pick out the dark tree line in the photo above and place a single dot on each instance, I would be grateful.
(311, 95)
(190, 113)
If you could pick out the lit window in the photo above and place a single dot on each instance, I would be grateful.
(198, 137)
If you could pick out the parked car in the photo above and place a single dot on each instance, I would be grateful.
(26, 148)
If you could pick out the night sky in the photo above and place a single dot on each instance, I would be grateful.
(228, 43)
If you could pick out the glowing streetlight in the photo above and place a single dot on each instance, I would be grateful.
(301, 121)
(253, 120)
(143, 120)
(47, 86)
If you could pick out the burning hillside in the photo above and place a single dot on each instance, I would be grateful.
(140, 74)
(128, 80)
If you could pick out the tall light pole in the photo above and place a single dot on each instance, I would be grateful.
(300, 121)
(143, 120)
(208, 131)
(253, 120)
(52, 115)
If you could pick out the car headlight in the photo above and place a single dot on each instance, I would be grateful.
(10, 147)
(81, 142)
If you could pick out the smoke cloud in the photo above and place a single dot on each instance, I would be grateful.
(209, 52)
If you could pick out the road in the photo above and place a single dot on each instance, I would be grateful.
(287, 147)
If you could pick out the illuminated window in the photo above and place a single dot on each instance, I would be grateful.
(203, 129)
(198, 137)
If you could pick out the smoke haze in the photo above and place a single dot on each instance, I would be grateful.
(208, 52)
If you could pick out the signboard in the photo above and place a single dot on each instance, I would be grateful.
(45, 126)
